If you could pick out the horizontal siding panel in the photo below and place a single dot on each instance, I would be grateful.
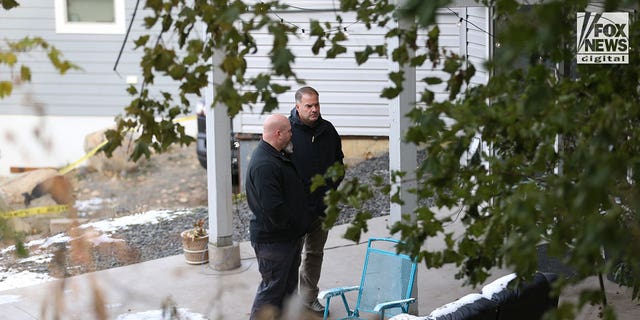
(346, 74)
(329, 89)
(345, 126)
(31, 26)
(303, 62)
(350, 94)
(27, 12)
(476, 51)
(343, 131)
(53, 91)
(477, 37)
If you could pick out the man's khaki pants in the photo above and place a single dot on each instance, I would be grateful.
(311, 265)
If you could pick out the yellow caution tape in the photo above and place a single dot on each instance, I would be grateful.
(81, 160)
(62, 208)
(187, 118)
(92, 152)
(35, 211)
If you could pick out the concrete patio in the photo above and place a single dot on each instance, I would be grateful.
(130, 292)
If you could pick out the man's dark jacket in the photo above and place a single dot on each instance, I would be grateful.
(276, 196)
(314, 150)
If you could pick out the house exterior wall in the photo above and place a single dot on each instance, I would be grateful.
(96, 90)
(87, 100)
(350, 94)
(43, 123)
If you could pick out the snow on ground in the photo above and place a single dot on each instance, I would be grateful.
(157, 315)
(153, 216)
(86, 207)
(12, 279)
(9, 298)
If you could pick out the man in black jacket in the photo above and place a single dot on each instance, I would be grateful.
(277, 197)
(317, 146)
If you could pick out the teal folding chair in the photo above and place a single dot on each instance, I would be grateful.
(386, 284)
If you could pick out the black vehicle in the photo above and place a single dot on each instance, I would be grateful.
(201, 149)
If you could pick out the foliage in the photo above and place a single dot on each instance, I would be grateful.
(19, 73)
(8, 4)
(229, 25)
(7, 233)
(557, 161)
(197, 231)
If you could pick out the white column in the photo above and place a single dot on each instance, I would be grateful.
(402, 156)
(224, 254)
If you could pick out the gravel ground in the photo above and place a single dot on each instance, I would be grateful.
(143, 242)
(148, 242)
(144, 238)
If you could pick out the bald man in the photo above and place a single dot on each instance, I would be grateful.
(277, 197)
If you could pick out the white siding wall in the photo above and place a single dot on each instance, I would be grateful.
(44, 123)
(96, 90)
(479, 42)
(350, 94)
(85, 101)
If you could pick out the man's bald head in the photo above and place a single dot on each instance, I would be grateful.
(276, 131)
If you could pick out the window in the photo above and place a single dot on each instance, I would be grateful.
(90, 16)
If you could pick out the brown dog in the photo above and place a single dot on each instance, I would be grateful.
(58, 187)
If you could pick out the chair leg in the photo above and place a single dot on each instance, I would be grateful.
(326, 309)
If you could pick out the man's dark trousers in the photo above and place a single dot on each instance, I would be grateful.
(278, 264)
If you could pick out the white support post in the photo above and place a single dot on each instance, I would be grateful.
(403, 156)
(223, 253)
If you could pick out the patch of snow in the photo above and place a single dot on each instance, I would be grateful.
(46, 242)
(103, 238)
(42, 243)
(9, 298)
(452, 307)
(13, 280)
(7, 249)
(41, 258)
(91, 204)
(153, 216)
(497, 285)
(157, 315)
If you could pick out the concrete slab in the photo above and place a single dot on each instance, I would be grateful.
(229, 294)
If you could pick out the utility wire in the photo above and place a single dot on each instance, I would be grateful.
(470, 22)
(126, 36)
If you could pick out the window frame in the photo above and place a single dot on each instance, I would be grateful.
(64, 26)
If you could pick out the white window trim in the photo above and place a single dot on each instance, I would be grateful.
(63, 26)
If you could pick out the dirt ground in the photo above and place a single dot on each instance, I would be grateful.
(170, 180)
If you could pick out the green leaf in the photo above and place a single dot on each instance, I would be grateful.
(336, 50)
(281, 60)
(432, 80)
(6, 87)
(141, 41)
(177, 71)
(317, 45)
(363, 56)
(8, 58)
(25, 73)
(9, 4)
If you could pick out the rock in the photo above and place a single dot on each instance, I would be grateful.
(12, 189)
(119, 161)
